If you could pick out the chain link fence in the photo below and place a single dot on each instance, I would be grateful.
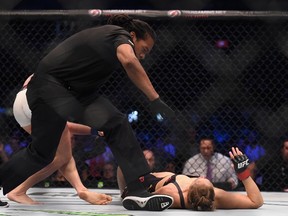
(226, 78)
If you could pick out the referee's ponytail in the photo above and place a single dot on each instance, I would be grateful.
(140, 27)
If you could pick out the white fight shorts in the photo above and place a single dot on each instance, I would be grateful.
(21, 110)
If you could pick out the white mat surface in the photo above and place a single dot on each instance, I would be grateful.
(64, 201)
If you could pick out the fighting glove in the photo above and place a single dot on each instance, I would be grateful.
(159, 107)
(241, 163)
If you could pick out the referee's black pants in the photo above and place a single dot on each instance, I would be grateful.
(53, 104)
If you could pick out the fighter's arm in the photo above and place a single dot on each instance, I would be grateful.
(79, 129)
(253, 197)
(237, 200)
(135, 71)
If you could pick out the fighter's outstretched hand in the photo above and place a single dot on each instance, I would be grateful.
(240, 162)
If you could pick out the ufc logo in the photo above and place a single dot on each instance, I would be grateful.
(243, 164)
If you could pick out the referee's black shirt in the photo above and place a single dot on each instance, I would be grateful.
(86, 59)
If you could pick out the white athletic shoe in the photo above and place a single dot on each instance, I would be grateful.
(150, 203)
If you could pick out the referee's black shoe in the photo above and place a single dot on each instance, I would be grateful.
(143, 200)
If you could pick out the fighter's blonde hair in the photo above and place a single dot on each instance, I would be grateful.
(201, 197)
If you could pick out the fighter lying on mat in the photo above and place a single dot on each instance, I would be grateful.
(199, 193)
(63, 160)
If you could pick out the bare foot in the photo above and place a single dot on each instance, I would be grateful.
(21, 198)
(95, 198)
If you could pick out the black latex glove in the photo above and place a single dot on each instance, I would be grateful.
(159, 107)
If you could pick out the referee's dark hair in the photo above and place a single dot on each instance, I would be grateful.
(140, 27)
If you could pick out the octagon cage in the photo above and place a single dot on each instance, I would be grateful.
(224, 73)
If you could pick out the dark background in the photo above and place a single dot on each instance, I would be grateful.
(146, 4)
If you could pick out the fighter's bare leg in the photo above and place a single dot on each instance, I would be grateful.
(65, 162)
(19, 194)
(69, 171)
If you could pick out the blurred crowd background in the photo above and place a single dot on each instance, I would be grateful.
(225, 78)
